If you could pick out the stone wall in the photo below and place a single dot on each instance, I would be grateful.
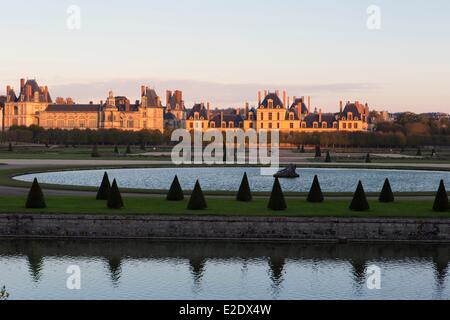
(245, 228)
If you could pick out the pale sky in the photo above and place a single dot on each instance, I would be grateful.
(223, 51)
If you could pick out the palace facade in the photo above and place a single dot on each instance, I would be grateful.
(276, 113)
(34, 106)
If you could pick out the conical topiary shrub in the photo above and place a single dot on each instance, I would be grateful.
(359, 202)
(35, 198)
(115, 198)
(95, 153)
(315, 194)
(302, 150)
(328, 157)
(368, 158)
(441, 201)
(197, 200)
(105, 188)
(175, 192)
(277, 201)
(128, 149)
(10, 147)
(244, 193)
(419, 152)
(143, 146)
(116, 149)
(386, 193)
(318, 152)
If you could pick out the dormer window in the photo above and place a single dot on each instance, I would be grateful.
(231, 125)
(196, 116)
(335, 125)
(291, 116)
(350, 116)
(213, 124)
(224, 125)
(316, 125)
(324, 125)
(303, 125)
(270, 104)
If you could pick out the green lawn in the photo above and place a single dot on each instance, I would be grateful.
(222, 207)
(71, 153)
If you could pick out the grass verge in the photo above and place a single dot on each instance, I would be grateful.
(222, 207)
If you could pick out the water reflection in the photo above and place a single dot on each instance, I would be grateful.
(230, 269)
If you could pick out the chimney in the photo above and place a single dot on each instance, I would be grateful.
(247, 108)
(238, 111)
(179, 96)
(341, 104)
(29, 93)
(221, 118)
(265, 94)
(288, 102)
(8, 89)
(284, 98)
(303, 99)
(168, 95)
(142, 91)
(320, 115)
(46, 93)
(309, 102)
(259, 98)
(22, 84)
(277, 93)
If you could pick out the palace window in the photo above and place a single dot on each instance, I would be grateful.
(335, 125)
(270, 116)
(303, 125)
(344, 125)
(224, 125)
(292, 126)
(316, 125)
(356, 126)
(349, 125)
(16, 111)
(145, 124)
(191, 125)
(213, 124)
(324, 125)
(231, 125)
(71, 123)
(278, 116)
(92, 123)
(130, 124)
(270, 104)
(82, 124)
(60, 123)
(270, 125)
(291, 116)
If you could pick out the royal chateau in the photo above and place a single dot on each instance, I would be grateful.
(33, 105)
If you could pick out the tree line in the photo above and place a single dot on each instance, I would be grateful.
(35, 134)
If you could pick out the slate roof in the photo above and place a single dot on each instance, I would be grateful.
(236, 119)
(300, 101)
(200, 108)
(351, 107)
(276, 101)
(329, 118)
(152, 98)
(34, 88)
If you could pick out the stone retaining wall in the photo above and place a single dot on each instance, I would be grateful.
(245, 228)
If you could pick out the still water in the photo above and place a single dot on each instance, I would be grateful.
(222, 270)
(228, 179)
